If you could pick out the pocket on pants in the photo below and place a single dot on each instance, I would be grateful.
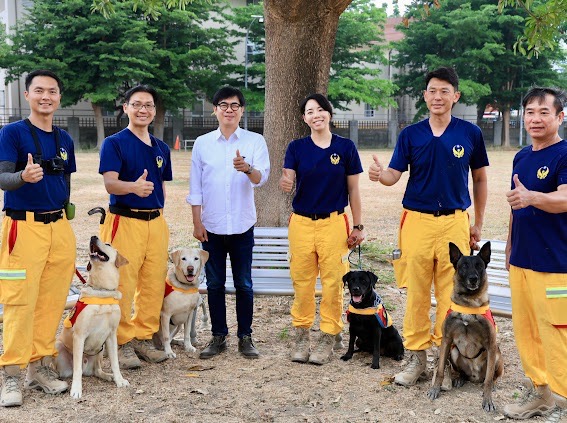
(556, 302)
(13, 287)
(400, 265)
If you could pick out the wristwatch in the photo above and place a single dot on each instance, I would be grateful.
(359, 227)
(250, 169)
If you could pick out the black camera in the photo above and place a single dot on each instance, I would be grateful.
(56, 165)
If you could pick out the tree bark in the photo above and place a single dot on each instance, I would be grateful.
(159, 122)
(300, 38)
(99, 122)
(506, 126)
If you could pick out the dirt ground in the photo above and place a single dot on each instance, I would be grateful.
(229, 388)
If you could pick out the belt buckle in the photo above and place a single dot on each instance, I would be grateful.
(437, 213)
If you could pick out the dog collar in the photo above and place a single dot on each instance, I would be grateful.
(379, 311)
(482, 310)
(80, 306)
(169, 288)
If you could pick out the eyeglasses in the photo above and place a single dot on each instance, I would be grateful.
(140, 106)
(233, 106)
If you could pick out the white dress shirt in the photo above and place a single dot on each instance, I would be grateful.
(225, 194)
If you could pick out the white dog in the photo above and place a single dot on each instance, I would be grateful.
(181, 299)
(93, 322)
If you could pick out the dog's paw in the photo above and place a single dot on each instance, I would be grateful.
(190, 348)
(433, 393)
(121, 383)
(460, 381)
(488, 405)
(76, 393)
(346, 357)
(170, 354)
(375, 365)
(399, 357)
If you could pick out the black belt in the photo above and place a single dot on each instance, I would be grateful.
(136, 214)
(48, 217)
(435, 213)
(317, 216)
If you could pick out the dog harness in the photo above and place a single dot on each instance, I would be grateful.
(483, 310)
(377, 310)
(169, 288)
(80, 306)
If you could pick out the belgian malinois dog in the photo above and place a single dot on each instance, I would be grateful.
(469, 331)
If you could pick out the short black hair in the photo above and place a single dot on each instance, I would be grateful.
(43, 72)
(142, 88)
(227, 92)
(321, 101)
(539, 93)
(446, 74)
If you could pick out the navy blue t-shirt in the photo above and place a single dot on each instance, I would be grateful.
(51, 192)
(321, 173)
(439, 166)
(539, 239)
(126, 154)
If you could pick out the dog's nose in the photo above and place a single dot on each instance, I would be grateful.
(190, 269)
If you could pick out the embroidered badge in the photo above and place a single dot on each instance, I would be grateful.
(335, 159)
(159, 161)
(458, 151)
(542, 172)
(63, 153)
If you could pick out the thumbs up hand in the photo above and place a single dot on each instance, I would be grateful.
(33, 172)
(519, 197)
(375, 170)
(287, 179)
(239, 163)
(143, 187)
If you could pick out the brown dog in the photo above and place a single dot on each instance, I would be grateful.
(93, 322)
(181, 299)
(469, 331)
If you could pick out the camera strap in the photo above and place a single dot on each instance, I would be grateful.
(38, 144)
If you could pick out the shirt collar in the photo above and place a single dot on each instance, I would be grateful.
(237, 133)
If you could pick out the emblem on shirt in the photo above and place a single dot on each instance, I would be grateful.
(335, 158)
(159, 161)
(542, 172)
(458, 151)
(63, 153)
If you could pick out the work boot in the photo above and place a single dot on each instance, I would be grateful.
(127, 357)
(414, 370)
(40, 375)
(447, 382)
(560, 410)
(302, 345)
(537, 401)
(146, 350)
(11, 394)
(324, 349)
(246, 347)
(215, 346)
(338, 342)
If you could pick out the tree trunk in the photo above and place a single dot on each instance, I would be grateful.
(99, 122)
(159, 122)
(300, 38)
(506, 126)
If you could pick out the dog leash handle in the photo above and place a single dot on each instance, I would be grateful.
(98, 210)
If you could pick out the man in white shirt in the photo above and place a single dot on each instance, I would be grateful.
(226, 165)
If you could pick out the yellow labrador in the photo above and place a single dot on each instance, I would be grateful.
(181, 299)
(93, 322)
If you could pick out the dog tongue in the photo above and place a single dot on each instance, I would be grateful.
(190, 278)
(357, 298)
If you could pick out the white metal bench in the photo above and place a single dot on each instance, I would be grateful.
(498, 283)
(188, 144)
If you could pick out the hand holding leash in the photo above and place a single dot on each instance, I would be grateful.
(33, 172)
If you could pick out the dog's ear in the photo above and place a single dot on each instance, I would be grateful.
(204, 256)
(345, 278)
(454, 254)
(484, 253)
(120, 260)
(373, 279)
(175, 256)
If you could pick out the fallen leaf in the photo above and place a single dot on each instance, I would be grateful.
(438, 411)
(336, 400)
(199, 368)
(191, 375)
(200, 391)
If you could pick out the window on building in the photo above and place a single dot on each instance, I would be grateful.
(368, 111)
